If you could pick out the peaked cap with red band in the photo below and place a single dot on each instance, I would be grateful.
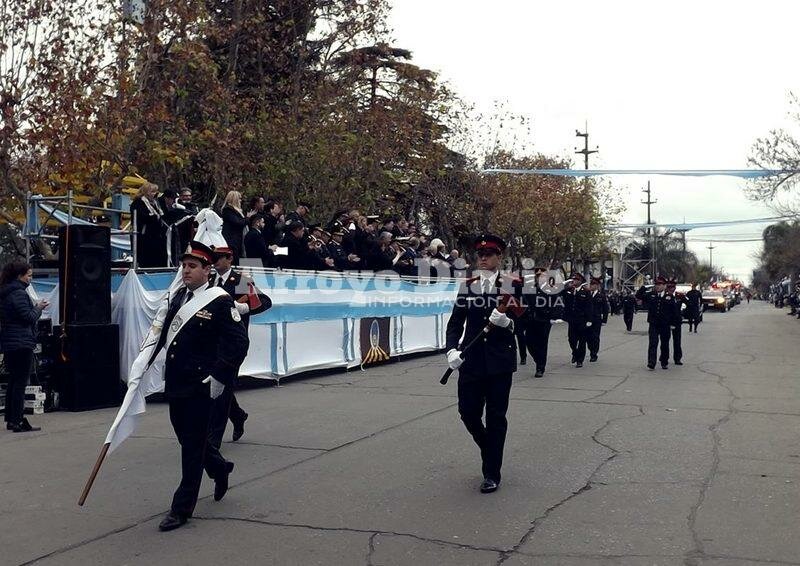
(490, 242)
(199, 251)
(222, 250)
(661, 280)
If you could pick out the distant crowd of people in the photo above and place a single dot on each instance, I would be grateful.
(263, 232)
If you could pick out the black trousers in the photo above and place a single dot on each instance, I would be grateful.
(18, 364)
(223, 408)
(593, 338)
(658, 333)
(577, 334)
(537, 338)
(191, 417)
(521, 332)
(694, 321)
(677, 351)
(628, 318)
(476, 392)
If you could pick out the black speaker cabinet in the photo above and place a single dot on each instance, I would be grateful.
(87, 366)
(84, 274)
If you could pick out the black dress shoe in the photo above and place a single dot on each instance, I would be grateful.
(488, 485)
(651, 368)
(579, 365)
(9, 426)
(24, 426)
(664, 366)
(238, 428)
(539, 373)
(678, 363)
(592, 358)
(221, 482)
(171, 522)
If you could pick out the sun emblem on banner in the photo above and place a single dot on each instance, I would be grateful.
(375, 353)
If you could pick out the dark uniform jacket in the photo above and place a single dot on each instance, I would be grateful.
(661, 308)
(543, 307)
(256, 248)
(599, 308)
(629, 304)
(212, 343)
(236, 289)
(496, 352)
(694, 302)
(577, 306)
(339, 255)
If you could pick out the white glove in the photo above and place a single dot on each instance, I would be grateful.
(243, 308)
(556, 321)
(454, 359)
(499, 319)
(216, 387)
(588, 324)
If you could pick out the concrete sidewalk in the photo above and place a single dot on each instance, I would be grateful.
(608, 464)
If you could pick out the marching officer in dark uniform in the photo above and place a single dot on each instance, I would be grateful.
(694, 307)
(599, 317)
(660, 317)
(577, 310)
(545, 304)
(628, 309)
(488, 356)
(227, 407)
(677, 324)
(202, 344)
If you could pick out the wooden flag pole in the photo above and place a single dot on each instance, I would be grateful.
(96, 469)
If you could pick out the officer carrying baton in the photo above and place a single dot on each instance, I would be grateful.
(517, 309)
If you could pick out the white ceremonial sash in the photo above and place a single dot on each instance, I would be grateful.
(199, 301)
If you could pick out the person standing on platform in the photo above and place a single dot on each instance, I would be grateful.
(226, 406)
(489, 357)
(598, 317)
(18, 317)
(151, 231)
(577, 310)
(628, 309)
(677, 322)
(233, 224)
(202, 346)
(660, 318)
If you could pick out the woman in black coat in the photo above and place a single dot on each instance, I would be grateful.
(18, 316)
(233, 223)
(151, 231)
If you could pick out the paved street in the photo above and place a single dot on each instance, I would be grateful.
(609, 464)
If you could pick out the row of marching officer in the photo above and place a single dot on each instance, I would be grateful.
(548, 300)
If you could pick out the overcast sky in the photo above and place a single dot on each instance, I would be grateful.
(668, 85)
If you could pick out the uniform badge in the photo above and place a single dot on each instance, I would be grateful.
(176, 324)
(235, 315)
(204, 314)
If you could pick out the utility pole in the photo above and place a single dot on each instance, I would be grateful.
(650, 202)
(711, 257)
(586, 152)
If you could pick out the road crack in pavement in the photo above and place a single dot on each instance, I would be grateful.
(590, 482)
(372, 532)
(697, 552)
